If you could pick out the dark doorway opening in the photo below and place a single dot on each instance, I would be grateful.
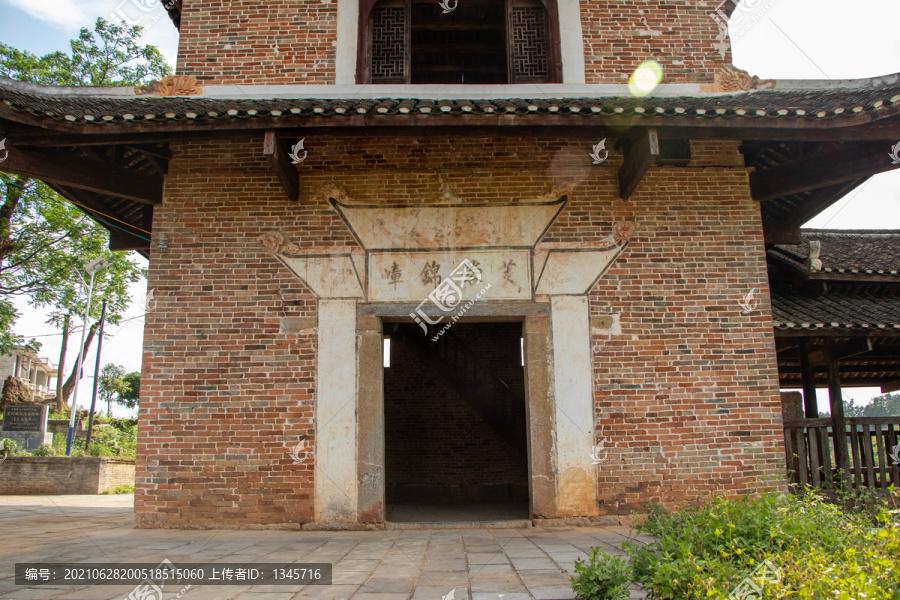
(455, 424)
(469, 47)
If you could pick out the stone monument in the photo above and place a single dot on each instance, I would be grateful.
(27, 425)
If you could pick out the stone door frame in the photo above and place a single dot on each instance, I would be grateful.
(535, 319)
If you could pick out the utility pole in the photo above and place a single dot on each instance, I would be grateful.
(91, 268)
(87, 441)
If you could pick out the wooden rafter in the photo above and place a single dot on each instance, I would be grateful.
(85, 174)
(852, 162)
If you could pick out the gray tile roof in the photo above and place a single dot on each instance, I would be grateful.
(831, 311)
(846, 251)
(98, 106)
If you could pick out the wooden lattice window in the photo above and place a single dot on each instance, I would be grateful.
(390, 42)
(529, 42)
(479, 42)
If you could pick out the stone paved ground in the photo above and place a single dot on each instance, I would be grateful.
(512, 564)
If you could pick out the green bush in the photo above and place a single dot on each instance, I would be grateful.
(9, 447)
(45, 450)
(116, 439)
(126, 488)
(818, 551)
(602, 577)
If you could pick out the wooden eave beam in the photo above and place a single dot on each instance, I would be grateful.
(849, 163)
(275, 151)
(85, 175)
(852, 278)
(842, 351)
(821, 332)
(857, 127)
(891, 386)
(778, 232)
(120, 240)
(643, 153)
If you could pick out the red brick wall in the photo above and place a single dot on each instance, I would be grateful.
(686, 396)
(252, 42)
(294, 41)
(619, 36)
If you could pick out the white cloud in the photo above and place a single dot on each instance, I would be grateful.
(61, 13)
(72, 15)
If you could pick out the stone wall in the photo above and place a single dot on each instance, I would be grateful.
(52, 475)
(685, 386)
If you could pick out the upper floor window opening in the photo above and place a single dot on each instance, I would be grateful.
(484, 42)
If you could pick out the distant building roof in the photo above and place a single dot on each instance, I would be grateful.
(856, 312)
(845, 251)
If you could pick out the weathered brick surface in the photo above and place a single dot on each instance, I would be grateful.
(54, 475)
(294, 41)
(246, 42)
(679, 35)
(686, 395)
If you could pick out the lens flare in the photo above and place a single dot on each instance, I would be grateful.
(645, 78)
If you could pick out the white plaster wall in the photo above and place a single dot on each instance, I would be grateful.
(570, 325)
(336, 480)
(571, 44)
(347, 40)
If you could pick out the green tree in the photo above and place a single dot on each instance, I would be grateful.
(43, 237)
(107, 56)
(111, 384)
(886, 405)
(130, 396)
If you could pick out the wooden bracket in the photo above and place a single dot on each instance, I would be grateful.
(276, 151)
(643, 153)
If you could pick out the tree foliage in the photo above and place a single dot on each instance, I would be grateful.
(129, 398)
(110, 384)
(107, 56)
(886, 405)
(43, 237)
(115, 385)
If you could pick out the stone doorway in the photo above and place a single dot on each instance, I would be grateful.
(455, 422)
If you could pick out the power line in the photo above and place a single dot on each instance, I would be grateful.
(849, 200)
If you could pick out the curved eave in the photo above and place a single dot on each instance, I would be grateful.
(752, 114)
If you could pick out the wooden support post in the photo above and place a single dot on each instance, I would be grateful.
(841, 455)
(643, 153)
(818, 437)
(287, 173)
(810, 404)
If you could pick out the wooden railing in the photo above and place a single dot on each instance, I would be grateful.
(811, 459)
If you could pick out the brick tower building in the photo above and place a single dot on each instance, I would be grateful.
(564, 262)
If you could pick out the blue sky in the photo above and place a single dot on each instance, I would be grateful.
(795, 39)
